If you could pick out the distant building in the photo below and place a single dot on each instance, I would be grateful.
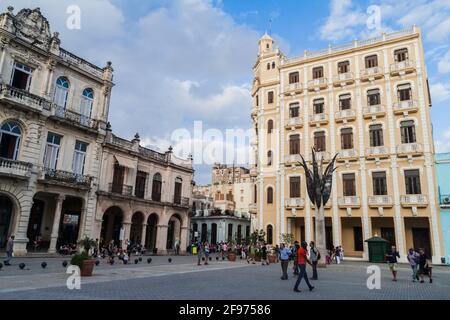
(443, 178)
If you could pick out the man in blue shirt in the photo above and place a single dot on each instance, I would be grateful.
(284, 258)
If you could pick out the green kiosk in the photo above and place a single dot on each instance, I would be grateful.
(378, 248)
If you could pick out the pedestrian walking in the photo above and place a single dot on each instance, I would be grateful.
(314, 255)
(294, 256)
(177, 247)
(9, 251)
(413, 259)
(277, 252)
(264, 255)
(206, 251)
(244, 252)
(424, 267)
(337, 254)
(199, 253)
(284, 253)
(392, 262)
(251, 254)
(302, 259)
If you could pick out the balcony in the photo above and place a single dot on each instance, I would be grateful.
(409, 149)
(74, 118)
(253, 172)
(292, 160)
(121, 189)
(23, 99)
(374, 111)
(317, 84)
(402, 68)
(414, 200)
(348, 154)
(294, 123)
(381, 152)
(404, 107)
(345, 115)
(372, 74)
(15, 169)
(349, 202)
(181, 201)
(253, 208)
(67, 178)
(381, 202)
(343, 79)
(297, 203)
(293, 89)
(318, 119)
(322, 155)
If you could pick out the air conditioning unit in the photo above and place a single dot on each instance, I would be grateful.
(446, 200)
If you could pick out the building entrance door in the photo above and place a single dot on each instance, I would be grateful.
(421, 239)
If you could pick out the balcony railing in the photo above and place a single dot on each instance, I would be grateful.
(347, 154)
(381, 201)
(253, 172)
(294, 202)
(23, 98)
(414, 200)
(120, 189)
(409, 148)
(318, 83)
(377, 152)
(404, 106)
(148, 153)
(74, 117)
(325, 155)
(347, 77)
(296, 122)
(351, 201)
(318, 118)
(293, 87)
(80, 63)
(403, 66)
(376, 110)
(67, 177)
(182, 201)
(348, 114)
(375, 72)
(292, 159)
(15, 168)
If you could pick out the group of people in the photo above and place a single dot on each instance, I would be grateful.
(122, 252)
(417, 260)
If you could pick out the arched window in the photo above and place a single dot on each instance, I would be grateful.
(269, 234)
(10, 135)
(269, 126)
(177, 191)
(273, 65)
(61, 92)
(269, 158)
(156, 187)
(268, 66)
(269, 195)
(86, 104)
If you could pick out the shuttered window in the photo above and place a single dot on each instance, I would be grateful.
(345, 102)
(294, 144)
(379, 183)
(294, 187)
(319, 141)
(373, 97)
(294, 110)
(294, 77)
(371, 62)
(318, 73)
(318, 106)
(376, 135)
(343, 67)
(412, 182)
(347, 138)
(408, 131)
(349, 184)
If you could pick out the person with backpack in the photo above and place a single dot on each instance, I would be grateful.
(314, 255)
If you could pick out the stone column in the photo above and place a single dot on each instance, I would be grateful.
(161, 240)
(127, 226)
(144, 234)
(82, 227)
(184, 239)
(56, 221)
(4, 43)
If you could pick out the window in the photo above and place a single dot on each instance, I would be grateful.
(270, 97)
(257, 101)
(404, 92)
(61, 92)
(412, 182)
(401, 55)
(376, 135)
(86, 105)
(141, 180)
(408, 131)
(268, 66)
(294, 187)
(347, 138)
(349, 184)
(294, 144)
(79, 157)
(345, 102)
(118, 177)
(177, 190)
(294, 110)
(319, 141)
(318, 73)
(255, 193)
(270, 126)
(52, 150)
(269, 195)
(373, 97)
(269, 234)
(21, 76)
(318, 106)
(10, 136)
(358, 238)
(273, 65)
(371, 62)
(294, 77)
(379, 183)
(343, 67)
(269, 158)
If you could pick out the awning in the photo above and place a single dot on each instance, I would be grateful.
(125, 162)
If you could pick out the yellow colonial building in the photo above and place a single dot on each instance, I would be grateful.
(369, 102)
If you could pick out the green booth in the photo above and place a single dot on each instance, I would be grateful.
(378, 248)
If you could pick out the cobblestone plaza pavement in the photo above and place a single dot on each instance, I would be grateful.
(183, 279)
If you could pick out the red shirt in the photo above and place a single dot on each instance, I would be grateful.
(301, 256)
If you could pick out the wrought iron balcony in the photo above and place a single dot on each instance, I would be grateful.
(343, 79)
(317, 84)
(371, 74)
(298, 203)
(405, 106)
(414, 200)
(181, 201)
(293, 123)
(74, 118)
(406, 149)
(67, 177)
(377, 152)
(23, 98)
(381, 201)
(403, 67)
(374, 111)
(14, 168)
(347, 115)
(349, 202)
(121, 189)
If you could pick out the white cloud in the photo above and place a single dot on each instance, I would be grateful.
(444, 64)
(442, 142)
(440, 92)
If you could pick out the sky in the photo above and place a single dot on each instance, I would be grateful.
(179, 62)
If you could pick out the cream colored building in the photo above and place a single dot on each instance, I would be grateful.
(369, 102)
